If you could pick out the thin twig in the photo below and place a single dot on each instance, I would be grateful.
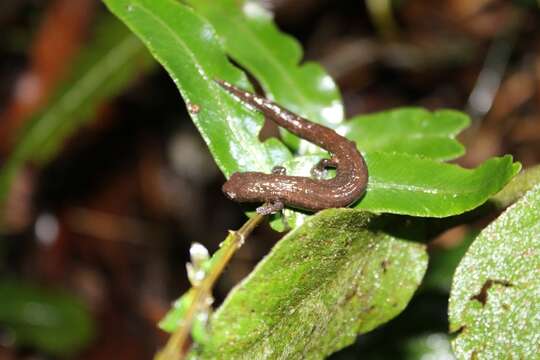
(174, 349)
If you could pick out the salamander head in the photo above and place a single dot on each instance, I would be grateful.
(231, 186)
(228, 191)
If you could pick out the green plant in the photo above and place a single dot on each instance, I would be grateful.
(341, 272)
(49, 319)
(106, 66)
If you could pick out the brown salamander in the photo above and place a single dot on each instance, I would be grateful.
(278, 189)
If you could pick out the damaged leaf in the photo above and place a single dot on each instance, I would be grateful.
(495, 299)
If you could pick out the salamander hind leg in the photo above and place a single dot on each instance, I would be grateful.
(271, 207)
(319, 170)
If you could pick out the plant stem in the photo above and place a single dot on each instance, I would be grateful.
(174, 349)
(383, 18)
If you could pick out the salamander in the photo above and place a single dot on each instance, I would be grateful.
(277, 189)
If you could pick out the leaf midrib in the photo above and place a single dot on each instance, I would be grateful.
(257, 155)
(378, 185)
(301, 100)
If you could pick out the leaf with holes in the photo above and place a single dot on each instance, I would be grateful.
(495, 299)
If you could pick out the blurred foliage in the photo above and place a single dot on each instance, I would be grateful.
(528, 3)
(443, 263)
(106, 66)
(50, 320)
(429, 346)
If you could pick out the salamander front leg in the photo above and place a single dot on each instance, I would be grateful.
(279, 170)
(276, 205)
(271, 207)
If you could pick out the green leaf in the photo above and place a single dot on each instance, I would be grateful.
(495, 298)
(337, 276)
(413, 131)
(410, 185)
(395, 186)
(399, 183)
(187, 46)
(176, 314)
(252, 39)
(52, 321)
(108, 64)
(404, 184)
